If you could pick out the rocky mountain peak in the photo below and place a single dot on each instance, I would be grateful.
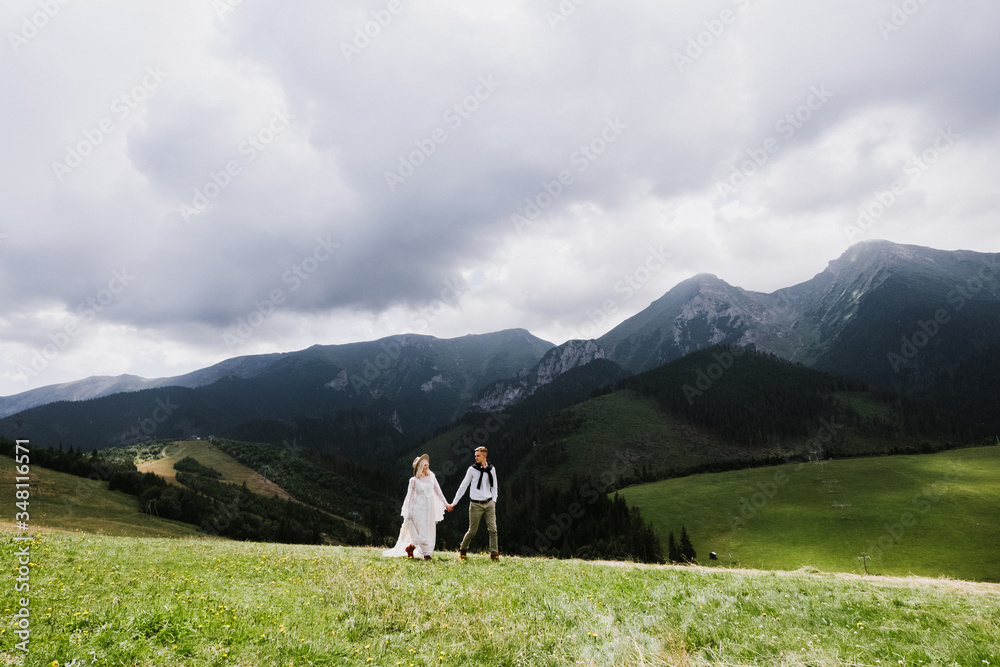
(553, 363)
(566, 357)
(873, 255)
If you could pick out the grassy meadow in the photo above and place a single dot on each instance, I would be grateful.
(64, 502)
(103, 600)
(928, 514)
(209, 455)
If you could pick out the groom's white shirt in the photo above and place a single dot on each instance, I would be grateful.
(475, 493)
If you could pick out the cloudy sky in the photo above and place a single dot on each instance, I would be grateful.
(190, 181)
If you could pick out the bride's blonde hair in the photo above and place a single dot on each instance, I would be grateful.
(416, 463)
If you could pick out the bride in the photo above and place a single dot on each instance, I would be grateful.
(423, 508)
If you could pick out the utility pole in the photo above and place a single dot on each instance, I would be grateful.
(863, 558)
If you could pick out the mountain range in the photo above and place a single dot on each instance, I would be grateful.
(918, 321)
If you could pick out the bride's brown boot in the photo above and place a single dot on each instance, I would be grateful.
(409, 551)
(461, 554)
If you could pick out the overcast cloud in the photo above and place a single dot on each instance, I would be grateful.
(190, 181)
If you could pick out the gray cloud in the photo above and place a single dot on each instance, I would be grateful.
(274, 133)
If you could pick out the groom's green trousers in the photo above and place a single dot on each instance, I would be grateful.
(476, 512)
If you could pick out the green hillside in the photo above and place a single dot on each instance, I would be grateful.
(63, 502)
(153, 602)
(635, 437)
(209, 455)
(722, 408)
(716, 409)
(214, 494)
(621, 432)
(761, 401)
(932, 515)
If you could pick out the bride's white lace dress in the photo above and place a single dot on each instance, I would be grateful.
(423, 508)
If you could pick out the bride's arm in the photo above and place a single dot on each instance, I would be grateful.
(410, 489)
(439, 493)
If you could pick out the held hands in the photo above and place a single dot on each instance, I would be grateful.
(449, 507)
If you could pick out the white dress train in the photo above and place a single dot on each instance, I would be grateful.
(423, 508)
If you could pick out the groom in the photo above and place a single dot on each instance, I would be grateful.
(482, 478)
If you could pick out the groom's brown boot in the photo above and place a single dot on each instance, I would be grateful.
(461, 554)
(495, 555)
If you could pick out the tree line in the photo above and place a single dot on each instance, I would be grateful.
(580, 521)
(204, 501)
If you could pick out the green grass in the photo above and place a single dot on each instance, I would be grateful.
(929, 514)
(211, 456)
(144, 602)
(65, 502)
(866, 408)
(626, 429)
